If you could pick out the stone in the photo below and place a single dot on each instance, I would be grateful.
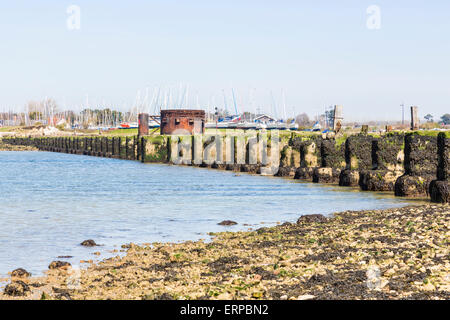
(227, 223)
(332, 154)
(219, 166)
(326, 175)
(414, 118)
(250, 168)
(358, 152)
(17, 289)
(378, 180)
(88, 243)
(388, 152)
(287, 224)
(304, 173)
(421, 155)
(59, 265)
(440, 191)
(310, 218)
(20, 273)
(349, 178)
(285, 172)
(233, 167)
(412, 186)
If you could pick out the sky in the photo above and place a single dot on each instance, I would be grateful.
(305, 55)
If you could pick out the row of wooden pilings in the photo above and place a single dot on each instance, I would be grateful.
(130, 148)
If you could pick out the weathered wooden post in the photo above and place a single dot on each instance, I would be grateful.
(113, 151)
(119, 147)
(135, 143)
(85, 146)
(142, 148)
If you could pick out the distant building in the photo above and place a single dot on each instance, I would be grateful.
(263, 118)
(182, 121)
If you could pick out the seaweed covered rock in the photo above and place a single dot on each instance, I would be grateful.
(440, 191)
(205, 165)
(289, 156)
(358, 152)
(443, 172)
(388, 152)
(59, 265)
(349, 178)
(304, 173)
(251, 168)
(332, 154)
(310, 157)
(233, 167)
(378, 180)
(412, 186)
(227, 223)
(88, 243)
(358, 156)
(220, 166)
(285, 172)
(310, 152)
(421, 161)
(17, 289)
(387, 162)
(421, 156)
(332, 162)
(311, 218)
(326, 175)
(20, 273)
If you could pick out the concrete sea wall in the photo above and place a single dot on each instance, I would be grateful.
(410, 165)
(439, 189)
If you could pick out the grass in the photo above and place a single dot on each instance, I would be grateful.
(121, 132)
(7, 129)
(431, 133)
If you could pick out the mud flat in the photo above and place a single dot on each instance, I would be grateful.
(399, 253)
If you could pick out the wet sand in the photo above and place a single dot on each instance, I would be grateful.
(399, 253)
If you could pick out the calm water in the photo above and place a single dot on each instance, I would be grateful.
(50, 202)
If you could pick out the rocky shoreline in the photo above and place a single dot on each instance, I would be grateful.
(399, 253)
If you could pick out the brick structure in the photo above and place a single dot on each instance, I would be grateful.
(182, 121)
(143, 124)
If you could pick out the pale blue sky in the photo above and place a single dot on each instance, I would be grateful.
(319, 52)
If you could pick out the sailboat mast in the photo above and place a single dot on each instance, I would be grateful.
(234, 101)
